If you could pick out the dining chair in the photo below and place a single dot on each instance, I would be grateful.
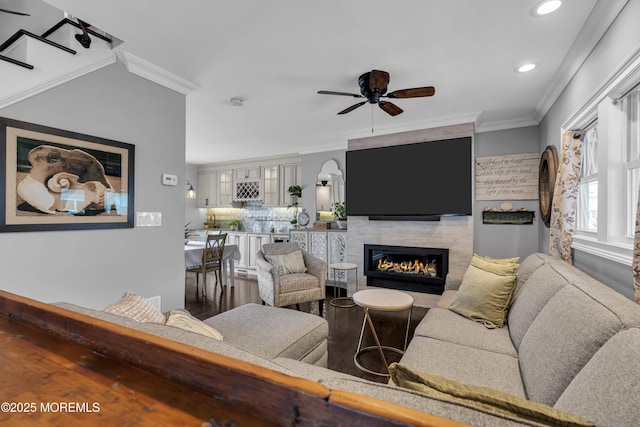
(211, 261)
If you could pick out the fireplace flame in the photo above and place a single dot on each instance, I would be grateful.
(416, 267)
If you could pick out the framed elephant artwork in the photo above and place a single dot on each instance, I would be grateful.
(52, 179)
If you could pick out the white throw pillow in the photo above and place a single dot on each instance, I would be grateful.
(135, 307)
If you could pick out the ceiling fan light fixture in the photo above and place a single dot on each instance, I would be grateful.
(525, 68)
(545, 7)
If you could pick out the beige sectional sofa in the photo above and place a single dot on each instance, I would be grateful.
(253, 333)
(570, 343)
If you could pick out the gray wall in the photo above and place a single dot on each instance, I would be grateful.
(94, 267)
(502, 240)
(621, 40)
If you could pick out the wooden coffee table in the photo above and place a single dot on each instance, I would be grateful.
(381, 300)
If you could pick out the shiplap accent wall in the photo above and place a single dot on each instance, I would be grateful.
(453, 233)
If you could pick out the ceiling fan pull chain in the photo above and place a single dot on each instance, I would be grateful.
(371, 118)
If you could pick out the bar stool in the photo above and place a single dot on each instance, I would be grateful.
(343, 302)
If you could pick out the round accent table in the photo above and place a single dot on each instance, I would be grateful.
(381, 300)
(342, 302)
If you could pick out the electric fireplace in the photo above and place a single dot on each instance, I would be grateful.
(406, 268)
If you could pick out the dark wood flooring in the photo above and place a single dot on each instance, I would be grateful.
(344, 323)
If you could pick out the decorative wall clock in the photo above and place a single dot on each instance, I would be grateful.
(303, 218)
(547, 181)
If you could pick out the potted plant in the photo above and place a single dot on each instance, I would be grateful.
(339, 210)
(295, 192)
(234, 224)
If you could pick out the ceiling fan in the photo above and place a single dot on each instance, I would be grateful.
(14, 12)
(373, 86)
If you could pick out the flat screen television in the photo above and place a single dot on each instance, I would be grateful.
(419, 181)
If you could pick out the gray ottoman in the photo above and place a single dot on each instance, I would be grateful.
(273, 332)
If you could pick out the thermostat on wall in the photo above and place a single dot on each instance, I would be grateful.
(168, 179)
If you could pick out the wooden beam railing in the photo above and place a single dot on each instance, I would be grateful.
(260, 392)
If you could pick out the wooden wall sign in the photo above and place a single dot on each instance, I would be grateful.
(508, 177)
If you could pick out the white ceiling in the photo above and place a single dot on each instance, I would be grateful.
(277, 54)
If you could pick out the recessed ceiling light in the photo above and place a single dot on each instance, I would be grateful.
(526, 67)
(545, 7)
(236, 101)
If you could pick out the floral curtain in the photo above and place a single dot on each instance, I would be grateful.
(565, 197)
(636, 256)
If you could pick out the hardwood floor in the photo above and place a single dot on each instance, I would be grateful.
(344, 323)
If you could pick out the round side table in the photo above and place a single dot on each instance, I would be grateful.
(343, 302)
(381, 300)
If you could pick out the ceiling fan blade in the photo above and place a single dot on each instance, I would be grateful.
(378, 81)
(353, 107)
(14, 13)
(329, 92)
(417, 92)
(389, 108)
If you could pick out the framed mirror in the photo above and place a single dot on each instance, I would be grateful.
(547, 181)
(329, 186)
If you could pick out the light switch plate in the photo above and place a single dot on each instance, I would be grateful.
(148, 219)
(168, 179)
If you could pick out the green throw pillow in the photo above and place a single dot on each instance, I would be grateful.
(503, 267)
(484, 296)
(484, 398)
(292, 262)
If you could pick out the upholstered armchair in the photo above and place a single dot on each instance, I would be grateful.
(286, 278)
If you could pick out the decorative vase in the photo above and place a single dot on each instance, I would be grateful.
(342, 223)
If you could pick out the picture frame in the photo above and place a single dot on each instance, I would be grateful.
(53, 179)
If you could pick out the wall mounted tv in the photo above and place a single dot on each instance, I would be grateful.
(418, 181)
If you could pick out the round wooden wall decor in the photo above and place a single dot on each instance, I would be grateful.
(547, 181)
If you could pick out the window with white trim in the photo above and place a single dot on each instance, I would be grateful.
(631, 103)
(610, 173)
(587, 219)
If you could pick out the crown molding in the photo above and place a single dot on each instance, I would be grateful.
(149, 71)
(468, 117)
(597, 24)
(622, 79)
(518, 122)
(325, 147)
(51, 83)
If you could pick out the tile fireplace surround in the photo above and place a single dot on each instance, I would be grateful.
(454, 233)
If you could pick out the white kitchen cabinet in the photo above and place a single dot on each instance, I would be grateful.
(207, 189)
(270, 186)
(329, 246)
(255, 244)
(300, 237)
(225, 188)
(290, 174)
(239, 239)
(253, 172)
